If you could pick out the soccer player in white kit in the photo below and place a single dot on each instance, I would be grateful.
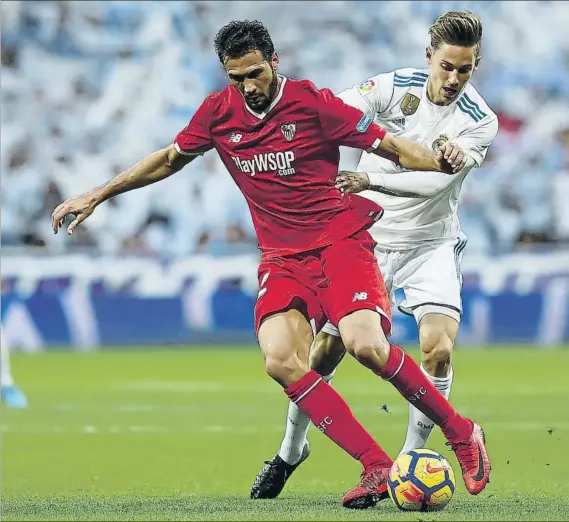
(419, 238)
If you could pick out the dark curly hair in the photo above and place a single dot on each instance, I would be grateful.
(240, 37)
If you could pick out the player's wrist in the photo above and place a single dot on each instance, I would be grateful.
(375, 180)
(97, 196)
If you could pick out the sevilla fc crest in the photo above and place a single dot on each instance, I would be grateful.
(288, 130)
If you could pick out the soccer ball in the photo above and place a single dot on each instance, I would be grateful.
(421, 480)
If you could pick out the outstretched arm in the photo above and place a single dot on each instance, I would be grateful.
(414, 156)
(194, 140)
(409, 184)
(154, 167)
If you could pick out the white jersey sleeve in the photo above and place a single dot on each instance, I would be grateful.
(476, 140)
(414, 184)
(372, 96)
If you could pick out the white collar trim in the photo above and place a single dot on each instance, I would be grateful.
(272, 105)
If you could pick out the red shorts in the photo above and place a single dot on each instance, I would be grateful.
(327, 283)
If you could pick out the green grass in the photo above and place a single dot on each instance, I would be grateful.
(181, 434)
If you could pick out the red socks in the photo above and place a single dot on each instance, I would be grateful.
(333, 417)
(406, 376)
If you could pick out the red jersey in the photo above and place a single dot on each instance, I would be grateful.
(285, 162)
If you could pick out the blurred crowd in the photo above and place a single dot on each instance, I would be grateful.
(88, 88)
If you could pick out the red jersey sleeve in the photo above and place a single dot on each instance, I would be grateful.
(195, 138)
(347, 125)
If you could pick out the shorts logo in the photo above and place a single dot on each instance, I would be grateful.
(367, 86)
(438, 143)
(359, 296)
(288, 130)
(409, 104)
(364, 123)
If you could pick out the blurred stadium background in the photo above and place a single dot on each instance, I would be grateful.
(88, 88)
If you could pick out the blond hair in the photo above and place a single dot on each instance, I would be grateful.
(462, 28)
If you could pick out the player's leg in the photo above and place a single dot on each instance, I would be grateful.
(431, 279)
(437, 333)
(326, 353)
(12, 396)
(357, 305)
(283, 333)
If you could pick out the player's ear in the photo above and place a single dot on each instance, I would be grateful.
(477, 61)
(428, 55)
(275, 61)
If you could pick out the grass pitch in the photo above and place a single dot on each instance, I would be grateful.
(168, 434)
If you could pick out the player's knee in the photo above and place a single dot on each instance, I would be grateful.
(370, 350)
(436, 349)
(282, 366)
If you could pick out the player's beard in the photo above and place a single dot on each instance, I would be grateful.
(273, 88)
(265, 100)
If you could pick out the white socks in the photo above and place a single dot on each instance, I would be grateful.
(418, 431)
(420, 426)
(297, 424)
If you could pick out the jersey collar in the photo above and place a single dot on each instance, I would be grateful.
(261, 115)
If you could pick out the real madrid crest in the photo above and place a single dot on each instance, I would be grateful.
(437, 144)
(409, 104)
(288, 130)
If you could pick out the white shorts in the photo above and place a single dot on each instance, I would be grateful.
(429, 275)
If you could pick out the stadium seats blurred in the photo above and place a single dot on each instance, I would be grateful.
(88, 88)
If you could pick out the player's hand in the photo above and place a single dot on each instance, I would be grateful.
(80, 207)
(452, 157)
(352, 182)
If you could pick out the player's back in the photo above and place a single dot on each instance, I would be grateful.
(285, 161)
(399, 103)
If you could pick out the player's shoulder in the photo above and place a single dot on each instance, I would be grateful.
(304, 87)
(408, 77)
(473, 106)
(223, 100)
(306, 93)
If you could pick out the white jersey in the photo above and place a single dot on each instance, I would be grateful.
(420, 206)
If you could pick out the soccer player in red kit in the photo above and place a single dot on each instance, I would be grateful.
(279, 139)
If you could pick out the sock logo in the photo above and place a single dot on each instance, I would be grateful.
(324, 423)
(425, 426)
(418, 395)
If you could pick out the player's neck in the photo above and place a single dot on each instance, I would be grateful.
(277, 89)
(430, 95)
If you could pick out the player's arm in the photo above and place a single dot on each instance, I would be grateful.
(465, 152)
(347, 126)
(408, 184)
(191, 142)
(155, 167)
(414, 156)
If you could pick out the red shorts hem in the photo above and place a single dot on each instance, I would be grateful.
(386, 323)
(316, 323)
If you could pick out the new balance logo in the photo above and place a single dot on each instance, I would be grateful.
(359, 296)
(235, 138)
